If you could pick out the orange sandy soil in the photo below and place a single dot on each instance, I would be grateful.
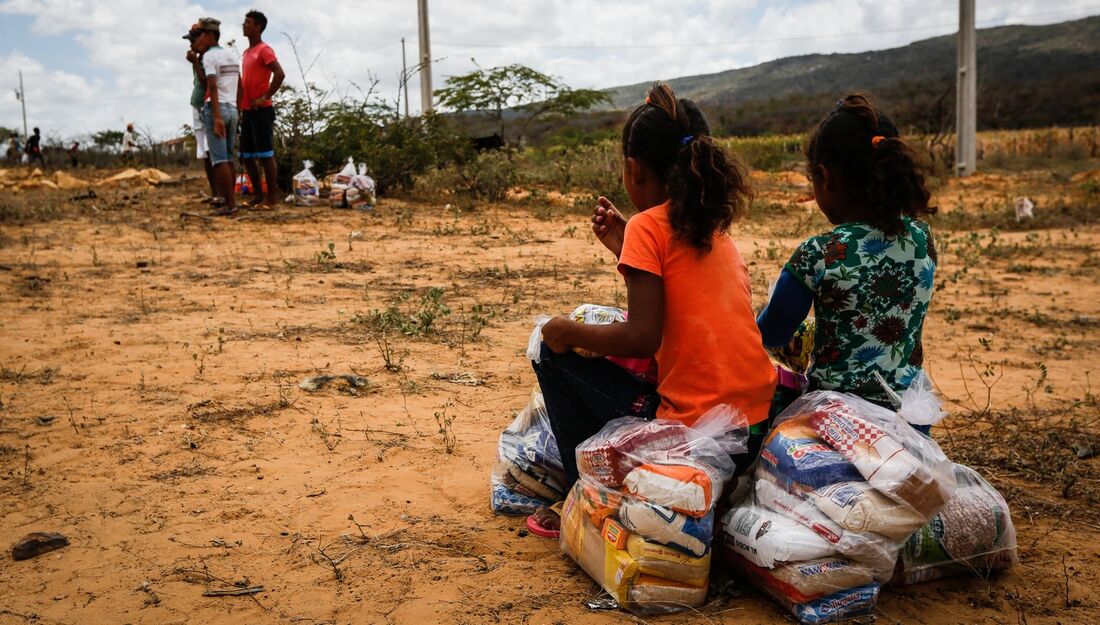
(183, 456)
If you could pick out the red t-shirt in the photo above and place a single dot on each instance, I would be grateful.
(255, 75)
(711, 352)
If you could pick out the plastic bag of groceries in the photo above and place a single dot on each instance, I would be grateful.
(338, 184)
(360, 193)
(972, 534)
(825, 438)
(640, 520)
(528, 474)
(304, 186)
(841, 484)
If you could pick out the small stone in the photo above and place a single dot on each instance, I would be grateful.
(141, 264)
(522, 532)
(37, 543)
(1083, 451)
(45, 419)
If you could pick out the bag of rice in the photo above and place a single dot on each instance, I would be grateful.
(769, 539)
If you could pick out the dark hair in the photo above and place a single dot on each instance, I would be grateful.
(36, 130)
(258, 18)
(706, 186)
(885, 174)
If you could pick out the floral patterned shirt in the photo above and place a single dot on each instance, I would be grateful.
(871, 293)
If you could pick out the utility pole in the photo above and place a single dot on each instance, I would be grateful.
(966, 93)
(404, 78)
(425, 58)
(23, 100)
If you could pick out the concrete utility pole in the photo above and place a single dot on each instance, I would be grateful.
(425, 58)
(23, 101)
(966, 94)
(404, 77)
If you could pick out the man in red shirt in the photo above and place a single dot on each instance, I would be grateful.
(261, 77)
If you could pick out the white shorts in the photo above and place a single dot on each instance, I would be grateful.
(200, 133)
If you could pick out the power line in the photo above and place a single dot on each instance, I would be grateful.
(742, 42)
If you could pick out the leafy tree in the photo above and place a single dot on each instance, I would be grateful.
(107, 138)
(496, 90)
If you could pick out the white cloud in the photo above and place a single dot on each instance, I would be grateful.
(137, 43)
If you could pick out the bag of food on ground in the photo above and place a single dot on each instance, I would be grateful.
(361, 193)
(640, 520)
(594, 315)
(836, 605)
(344, 176)
(795, 565)
(304, 186)
(972, 534)
(528, 474)
(885, 450)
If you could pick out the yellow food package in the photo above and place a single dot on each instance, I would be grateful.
(616, 535)
(612, 568)
(667, 562)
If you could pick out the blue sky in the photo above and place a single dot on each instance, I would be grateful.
(92, 65)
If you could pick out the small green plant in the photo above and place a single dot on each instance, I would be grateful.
(446, 429)
(326, 259)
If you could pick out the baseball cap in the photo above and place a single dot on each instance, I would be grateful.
(204, 24)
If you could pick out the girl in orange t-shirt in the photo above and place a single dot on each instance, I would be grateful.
(687, 291)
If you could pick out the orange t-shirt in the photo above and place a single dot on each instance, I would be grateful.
(711, 352)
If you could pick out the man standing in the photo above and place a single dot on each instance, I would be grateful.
(223, 82)
(261, 77)
(198, 98)
(34, 149)
(129, 145)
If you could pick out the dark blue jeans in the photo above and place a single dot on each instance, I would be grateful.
(583, 394)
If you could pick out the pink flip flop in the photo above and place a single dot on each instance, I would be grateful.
(538, 530)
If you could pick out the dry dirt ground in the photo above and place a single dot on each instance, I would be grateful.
(151, 409)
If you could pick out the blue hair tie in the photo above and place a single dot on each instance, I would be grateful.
(687, 139)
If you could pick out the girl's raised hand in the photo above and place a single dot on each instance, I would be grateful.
(609, 225)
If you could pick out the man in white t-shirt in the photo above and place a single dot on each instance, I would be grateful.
(129, 145)
(223, 79)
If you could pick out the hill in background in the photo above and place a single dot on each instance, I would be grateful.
(1028, 76)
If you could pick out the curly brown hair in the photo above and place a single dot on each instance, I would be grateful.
(706, 185)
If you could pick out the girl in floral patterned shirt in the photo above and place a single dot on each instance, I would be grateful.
(870, 279)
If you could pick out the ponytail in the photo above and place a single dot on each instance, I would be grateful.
(862, 146)
(706, 186)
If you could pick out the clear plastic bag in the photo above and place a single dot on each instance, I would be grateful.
(595, 315)
(883, 448)
(840, 485)
(305, 187)
(528, 474)
(534, 343)
(973, 534)
(361, 192)
(640, 519)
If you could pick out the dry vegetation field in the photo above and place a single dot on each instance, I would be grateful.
(150, 406)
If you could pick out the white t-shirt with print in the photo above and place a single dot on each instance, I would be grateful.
(223, 64)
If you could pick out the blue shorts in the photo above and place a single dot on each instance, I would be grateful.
(221, 148)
